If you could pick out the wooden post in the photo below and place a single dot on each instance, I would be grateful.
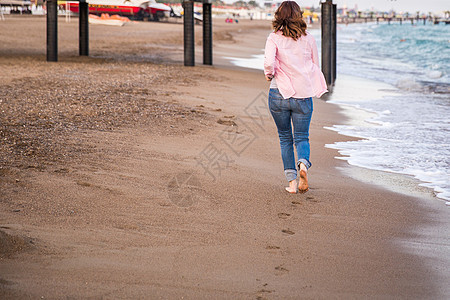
(334, 43)
(84, 28)
(326, 42)
(52, 30)
(189, 43)
(329, 41)
(207, 34)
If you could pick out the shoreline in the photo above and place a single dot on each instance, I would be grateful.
(107, 223)
(358, 116)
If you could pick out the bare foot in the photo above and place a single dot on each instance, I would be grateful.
(292, 188)
(303, 182)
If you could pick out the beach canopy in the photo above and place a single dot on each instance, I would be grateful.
(308, 13)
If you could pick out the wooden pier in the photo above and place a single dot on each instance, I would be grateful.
(394, 19)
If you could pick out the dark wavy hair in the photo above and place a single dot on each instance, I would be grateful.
(289, 19)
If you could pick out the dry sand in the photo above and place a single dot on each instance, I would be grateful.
(126, 175)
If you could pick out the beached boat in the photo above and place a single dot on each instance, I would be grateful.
(135, 9)
(106, 19)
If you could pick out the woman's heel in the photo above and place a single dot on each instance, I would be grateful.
(303, 182)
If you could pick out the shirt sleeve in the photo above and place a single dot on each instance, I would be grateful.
(269, 57)
(315, 53)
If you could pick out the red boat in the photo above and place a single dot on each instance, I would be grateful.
(135, 9)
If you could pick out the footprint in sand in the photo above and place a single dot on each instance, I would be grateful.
(83, 183)
(280, 270)
(226, 122)
(288, 231)
(311, 199)
(296, 202)
(263, 291)
(272, 247)
(283, 215)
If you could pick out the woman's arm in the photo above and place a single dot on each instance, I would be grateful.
(269, 59)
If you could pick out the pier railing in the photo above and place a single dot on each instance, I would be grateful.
(393, 19)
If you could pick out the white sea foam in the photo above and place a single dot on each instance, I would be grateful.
(409, 84)
(434, 74)
(254, 62)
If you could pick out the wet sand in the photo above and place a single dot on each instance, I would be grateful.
(126, 175)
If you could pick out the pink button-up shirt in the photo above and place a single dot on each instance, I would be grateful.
(294, 65)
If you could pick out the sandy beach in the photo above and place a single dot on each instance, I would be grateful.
(126, 175)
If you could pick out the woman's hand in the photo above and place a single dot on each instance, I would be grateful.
(269, 77)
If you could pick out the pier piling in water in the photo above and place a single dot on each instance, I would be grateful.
(329, 41)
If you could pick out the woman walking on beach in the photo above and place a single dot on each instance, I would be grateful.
(291, 64)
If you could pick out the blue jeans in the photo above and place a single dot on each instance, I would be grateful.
(298, 112)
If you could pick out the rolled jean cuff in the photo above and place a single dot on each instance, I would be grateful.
(291, 174)
(306, 162)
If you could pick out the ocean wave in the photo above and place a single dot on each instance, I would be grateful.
(409, 57)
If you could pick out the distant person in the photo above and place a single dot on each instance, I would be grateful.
(291, 64)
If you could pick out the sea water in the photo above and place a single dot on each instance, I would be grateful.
(407, 130)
